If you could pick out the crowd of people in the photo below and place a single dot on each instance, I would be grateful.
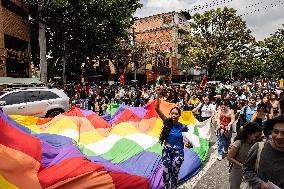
(251, 109)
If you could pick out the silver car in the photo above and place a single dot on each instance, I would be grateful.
(40, 102)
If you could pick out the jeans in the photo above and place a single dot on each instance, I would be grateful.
(84, 104)
(223, 143)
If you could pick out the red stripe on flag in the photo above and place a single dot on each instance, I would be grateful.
(67, 169)
(127, 116)
(124, 180)
(18, 140)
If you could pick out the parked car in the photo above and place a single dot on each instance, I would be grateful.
(40, 102)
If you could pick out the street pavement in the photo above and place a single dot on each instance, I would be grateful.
(213, 175)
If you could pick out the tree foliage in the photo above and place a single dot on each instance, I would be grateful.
(273, 54)
(221, 41)
(139, 54)
(79, 29)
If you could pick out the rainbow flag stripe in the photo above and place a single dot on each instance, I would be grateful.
(79, 149)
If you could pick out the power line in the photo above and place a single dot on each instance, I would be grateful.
(208, 5)
(264, 8)
(254, 4)
(216, 3)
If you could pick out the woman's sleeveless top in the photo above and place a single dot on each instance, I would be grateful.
(225, 119)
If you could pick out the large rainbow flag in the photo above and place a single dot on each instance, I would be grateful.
(79, 149)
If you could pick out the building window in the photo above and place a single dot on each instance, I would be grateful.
(180, 35)
(15, 43)
(16, 65)
(181, 49)
(9, 5)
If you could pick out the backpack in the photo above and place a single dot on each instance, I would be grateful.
(242, 120)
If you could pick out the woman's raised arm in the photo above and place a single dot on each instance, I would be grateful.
(157, 106)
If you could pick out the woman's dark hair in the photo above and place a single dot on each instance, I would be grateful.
(225, 103)
(167, 127)
(242, 103)
(264, 106)
(249, 128)
(270, 123)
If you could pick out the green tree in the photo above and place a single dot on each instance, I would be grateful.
(77, 29)
(138, 54)
(273, 54)
(220, 41)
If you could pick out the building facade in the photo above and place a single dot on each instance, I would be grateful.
(14, 39)
(165, 33)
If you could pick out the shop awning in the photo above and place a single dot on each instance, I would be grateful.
(13, 80)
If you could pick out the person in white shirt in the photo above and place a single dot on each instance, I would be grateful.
(205, 108)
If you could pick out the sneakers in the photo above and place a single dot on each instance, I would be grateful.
(219, 157)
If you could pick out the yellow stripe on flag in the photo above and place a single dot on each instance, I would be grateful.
(5, 184)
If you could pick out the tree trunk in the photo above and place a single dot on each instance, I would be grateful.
(42, 43)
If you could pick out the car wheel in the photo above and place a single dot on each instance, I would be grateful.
(53, 113)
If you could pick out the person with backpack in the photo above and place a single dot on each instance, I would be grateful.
(239, 149)
(248, 111)
(264, 165)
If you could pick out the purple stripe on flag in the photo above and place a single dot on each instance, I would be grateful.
(86, 112)
(52, 155)
(148, 162)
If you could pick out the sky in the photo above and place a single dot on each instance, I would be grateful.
(263, 17)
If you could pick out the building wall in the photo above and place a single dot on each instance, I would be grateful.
(13, 25)
(2, 59)
(161, 38)
(153, 22)
(163, 31)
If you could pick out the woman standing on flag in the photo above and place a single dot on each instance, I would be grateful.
(172, 139)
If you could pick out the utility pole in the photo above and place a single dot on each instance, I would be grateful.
(134, 57)
(42, 43)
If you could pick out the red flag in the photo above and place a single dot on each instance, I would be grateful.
(204, 80)
(121, 78)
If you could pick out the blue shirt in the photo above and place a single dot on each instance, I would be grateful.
(175, 135)
(248, 112)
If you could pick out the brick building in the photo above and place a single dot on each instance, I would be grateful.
(14, 39)
(164, 32)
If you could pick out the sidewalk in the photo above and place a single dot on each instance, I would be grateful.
(214, 174)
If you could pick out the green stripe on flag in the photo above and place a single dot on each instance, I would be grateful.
(112, 108)
(157, 148)
(122, 150)
(202, 151)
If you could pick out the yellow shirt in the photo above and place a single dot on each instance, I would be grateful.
(194, 102)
